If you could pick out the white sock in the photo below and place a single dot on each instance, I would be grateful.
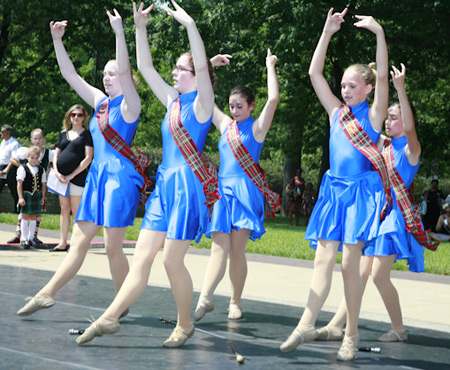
(32, 229)
(24, 228)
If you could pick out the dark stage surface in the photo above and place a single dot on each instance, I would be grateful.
(41, 341)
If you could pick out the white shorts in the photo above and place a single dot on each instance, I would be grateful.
(75, 190)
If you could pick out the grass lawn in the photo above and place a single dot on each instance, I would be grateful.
(279, 240)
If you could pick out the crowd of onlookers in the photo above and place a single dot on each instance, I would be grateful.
(435, 208)
(28, 171)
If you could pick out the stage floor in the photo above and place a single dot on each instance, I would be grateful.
(41, 341)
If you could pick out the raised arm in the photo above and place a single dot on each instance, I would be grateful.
(413, 148)
(131, 104)
(220, 119)
(323, 91)
(162, 90)
(204, 103)
(378, 110)
(88, 93)
(262, 125)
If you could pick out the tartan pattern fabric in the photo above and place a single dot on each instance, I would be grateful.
(364, 144)
(32, 203)
(138, 158)
(410, 211)
(201, 165)
(252, 169)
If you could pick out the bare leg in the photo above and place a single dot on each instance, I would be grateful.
(238, 263)
(180, 280)
(351, 258)
(320, 287)
(118, 263)
(217, 264)
(340, 317)
(64, 221)
(137, 280)
(381, 277)
(81, 238)
(75, 201)
(134, 285)
(324, 261)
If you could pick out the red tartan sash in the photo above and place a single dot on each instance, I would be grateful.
(410, 211)
(201, 165)
(139, 159)
(252, 169)
(364, 144)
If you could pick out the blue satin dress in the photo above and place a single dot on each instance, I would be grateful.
(351, 194)
(111, 194)
(399, 242)
(177, 205)
(241, 205)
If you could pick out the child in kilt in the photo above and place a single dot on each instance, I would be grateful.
(31, 188)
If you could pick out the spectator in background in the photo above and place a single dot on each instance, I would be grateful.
(308, 201)
(8, 172)
(73, 155)
(435, 199)
(443, 225)
(37, 138)
(294, 191)
(31, 189)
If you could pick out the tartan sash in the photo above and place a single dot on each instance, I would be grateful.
(410, 211)
(201, 165)
(138, 158)
(364, 144)
(252, 169)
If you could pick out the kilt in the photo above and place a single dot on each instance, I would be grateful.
(32, 203)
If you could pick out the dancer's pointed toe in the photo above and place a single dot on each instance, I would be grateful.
(35, 304)
(96, 329)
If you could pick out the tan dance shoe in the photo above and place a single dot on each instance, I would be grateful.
(298, 337)
(394, 335)
(234, 312)
(96, 329)
(178, 337)
(35, 304)
(348, 349)
(202, 308)
(330, 333)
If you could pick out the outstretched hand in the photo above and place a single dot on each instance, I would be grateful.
(179, 14)
(334, 21)
(398, 77)
(141, 15)
(116, 21)
(271, 59)
(58, 29)
(368, 23)
(221, 60)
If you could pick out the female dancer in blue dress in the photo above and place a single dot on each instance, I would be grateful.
(390, 247)
(239, 214)
(176, 212)
(111, 194)
(351, 197)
